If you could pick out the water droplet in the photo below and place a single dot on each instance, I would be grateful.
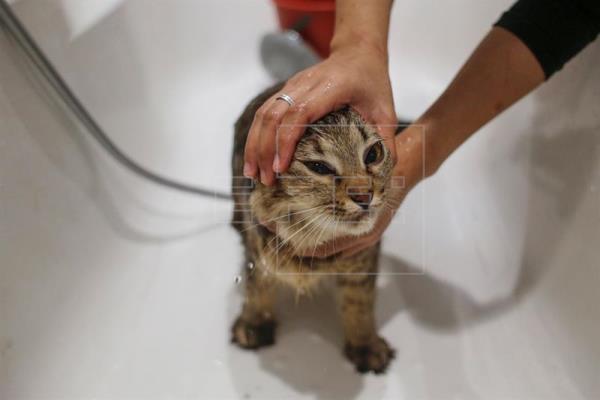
(238, 279)
(250, 265)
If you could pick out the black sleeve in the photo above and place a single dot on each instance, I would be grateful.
(554, 30)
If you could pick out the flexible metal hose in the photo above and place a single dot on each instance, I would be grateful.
(13, 27)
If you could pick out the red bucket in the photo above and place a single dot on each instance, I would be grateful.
(319, 30)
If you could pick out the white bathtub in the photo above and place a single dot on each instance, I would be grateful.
(114, 288)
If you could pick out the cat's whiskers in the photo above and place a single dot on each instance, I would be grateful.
(337, 221)
(300, 243)
(314, 209)
(304, 236)
(289, 227)
(289, 252)
(281, 244)
(329, 217)
(322, 226)
(287, 215)
(287, 240)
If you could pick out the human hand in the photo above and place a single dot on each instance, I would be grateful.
(352, 75)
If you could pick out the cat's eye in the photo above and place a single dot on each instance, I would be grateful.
(374, 154)
(319, 167)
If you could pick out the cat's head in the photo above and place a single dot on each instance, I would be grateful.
(336, 184)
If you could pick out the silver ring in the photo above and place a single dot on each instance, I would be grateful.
(286, 98)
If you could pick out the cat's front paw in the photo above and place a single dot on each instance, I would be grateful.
(374, 356)
(252, 336)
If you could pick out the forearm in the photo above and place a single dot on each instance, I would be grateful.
(360, 22)
(500, 71)
(532, 41)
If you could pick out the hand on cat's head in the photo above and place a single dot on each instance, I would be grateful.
(356, 77)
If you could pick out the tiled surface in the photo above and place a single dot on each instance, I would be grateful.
(112, 288)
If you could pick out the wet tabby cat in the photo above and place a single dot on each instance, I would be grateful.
(335, 186)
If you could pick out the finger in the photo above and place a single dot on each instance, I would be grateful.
(313, 106)
(271, 116)
(251, 148)
(385, 121)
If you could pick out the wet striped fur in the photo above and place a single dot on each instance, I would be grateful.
(304, 209)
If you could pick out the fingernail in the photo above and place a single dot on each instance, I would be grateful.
(276, 166)
(248, 171)
(263, 178)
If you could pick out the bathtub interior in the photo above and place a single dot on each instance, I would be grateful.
(111, 287)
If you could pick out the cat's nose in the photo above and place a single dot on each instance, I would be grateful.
(362, 199)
